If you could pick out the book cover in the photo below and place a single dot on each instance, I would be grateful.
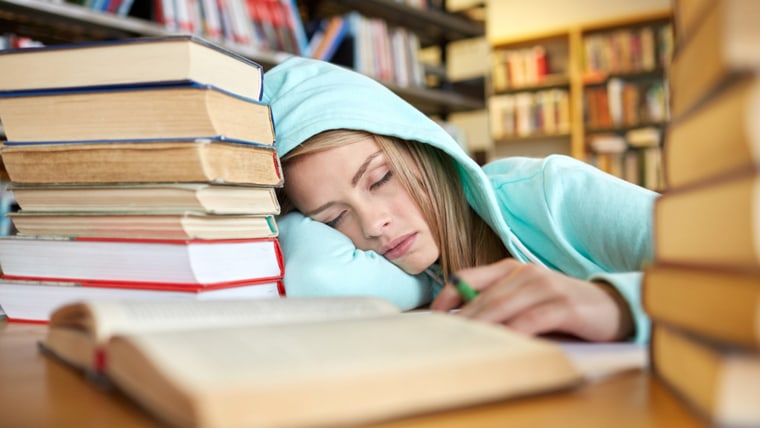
(130, 61)
(124, 113)
(710, 224)
(34, 301)
(720, 304)
(687, 15)
(718, 137)
(334, 32)
(294, 23)
(719, 383)
(184, 161)
(723, 45)
(130, 261)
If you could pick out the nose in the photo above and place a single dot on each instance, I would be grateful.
(373, 222)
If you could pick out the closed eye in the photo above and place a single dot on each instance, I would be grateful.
(334, 222)
(386, 178)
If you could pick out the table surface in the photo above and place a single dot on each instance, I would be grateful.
(36, 391)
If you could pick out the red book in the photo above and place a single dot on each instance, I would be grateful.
(187, 264)
(34, 301)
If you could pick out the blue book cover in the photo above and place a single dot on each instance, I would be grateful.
(296, 24)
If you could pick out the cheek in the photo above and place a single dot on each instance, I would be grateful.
(354, 233)
(406, 208)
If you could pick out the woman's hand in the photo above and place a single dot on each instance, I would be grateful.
(534, 300)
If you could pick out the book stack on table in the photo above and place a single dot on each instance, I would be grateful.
(143, 168)
(703, 290)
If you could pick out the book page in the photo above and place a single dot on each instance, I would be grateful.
(598, 361)
(331, 372)
(105, 318)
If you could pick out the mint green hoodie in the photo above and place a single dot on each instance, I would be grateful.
(557, 212)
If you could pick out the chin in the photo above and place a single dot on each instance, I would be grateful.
(416, 267)
(414, 271)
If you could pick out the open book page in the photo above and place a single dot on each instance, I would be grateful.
(599, 360)
(101, 319)
(332, 372)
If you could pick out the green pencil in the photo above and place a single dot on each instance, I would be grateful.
(463, 288)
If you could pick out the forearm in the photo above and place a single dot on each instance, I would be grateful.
(628, 285)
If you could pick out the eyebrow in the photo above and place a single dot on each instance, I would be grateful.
(354, 180)
(363, 168)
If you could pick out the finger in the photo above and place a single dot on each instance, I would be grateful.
(447, 299)
(485, 276)
(548, 316)
(495, 303)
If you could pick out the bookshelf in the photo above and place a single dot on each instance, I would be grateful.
(59, 22)
(597, 92)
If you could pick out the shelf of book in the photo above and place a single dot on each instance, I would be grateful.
(67, 22)
(437, 101)
(613, 76)
(432, 25)
(53, 22)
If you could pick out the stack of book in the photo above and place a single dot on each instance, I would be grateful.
(143, 168)
(703, 290)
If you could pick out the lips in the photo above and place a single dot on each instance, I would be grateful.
(398, 247)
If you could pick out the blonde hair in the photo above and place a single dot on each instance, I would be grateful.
(464, 239)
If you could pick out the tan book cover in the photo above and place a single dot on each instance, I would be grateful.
(722, 384)
(720, 304)
(724, 44)
(687, 15)
(710, 224)
(720, 136)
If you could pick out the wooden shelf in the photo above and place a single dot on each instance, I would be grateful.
(625, 128)
(572, 49)
(602, 79)
(66, 23)
(436, 101)
(547, 82)
(522, 138)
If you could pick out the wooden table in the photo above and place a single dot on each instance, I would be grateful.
(36, 392)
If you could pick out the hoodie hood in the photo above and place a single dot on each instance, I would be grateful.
(309, 96)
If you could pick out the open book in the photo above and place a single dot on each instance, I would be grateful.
(300, 361)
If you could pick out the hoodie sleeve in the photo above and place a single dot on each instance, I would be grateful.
(580, 221)
(608, 221)
(320, 261)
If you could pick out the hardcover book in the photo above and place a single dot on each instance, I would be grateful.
(153, 197)
(302, 362)
(135, 113)
(184, 161)
(720, 304)
(722, 44)
(140, 261)
(35, 301)
(148, 225)
(125, 62)
(720, 136)
(711, 223)
(721, 383)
